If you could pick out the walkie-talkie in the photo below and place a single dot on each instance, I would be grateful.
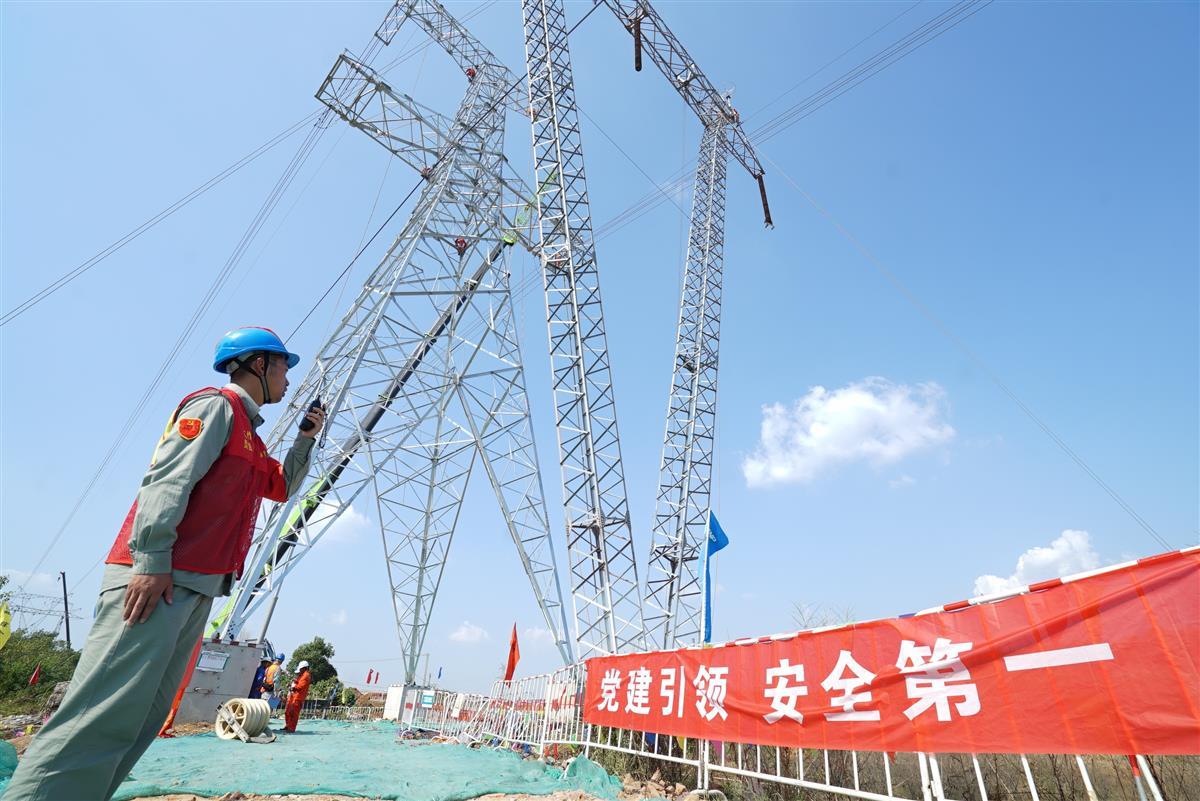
(306, 424)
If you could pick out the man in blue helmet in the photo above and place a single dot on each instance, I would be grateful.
(183, 542)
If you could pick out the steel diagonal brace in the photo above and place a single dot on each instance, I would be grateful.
(475, 60)
(415, 133)
(651, 33)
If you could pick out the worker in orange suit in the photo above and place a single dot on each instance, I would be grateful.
(296, 695)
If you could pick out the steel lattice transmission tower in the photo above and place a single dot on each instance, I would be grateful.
(603, 568)
(423, 377)
(674, 606)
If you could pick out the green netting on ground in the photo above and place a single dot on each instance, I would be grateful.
(362, 759)
(8, 761)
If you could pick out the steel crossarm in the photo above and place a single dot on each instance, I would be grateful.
(416, 134)
(453, 37)
(603, 568)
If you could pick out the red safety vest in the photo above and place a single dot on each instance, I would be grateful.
(217, 526)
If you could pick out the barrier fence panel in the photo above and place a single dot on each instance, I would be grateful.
(958, 777)
(318, 710)
(563, 723)
(429, 709)
(464, 714)
(516, 711)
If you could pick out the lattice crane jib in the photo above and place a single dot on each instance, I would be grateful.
(414, 404)
(674, 588)
(603, 568)
(675, 594)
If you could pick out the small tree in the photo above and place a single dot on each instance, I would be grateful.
(20, 657)
(317, 653)
(324, 690)
(22, 654)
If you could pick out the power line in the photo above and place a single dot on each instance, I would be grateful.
(868, 68)
(214, 289)
(352, 261)
(902, 47)
(71, 275)
(898, 50)
(832, 61)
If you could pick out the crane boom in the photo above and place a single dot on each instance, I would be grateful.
(650, 33)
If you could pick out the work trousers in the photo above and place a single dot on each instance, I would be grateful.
(118, 698)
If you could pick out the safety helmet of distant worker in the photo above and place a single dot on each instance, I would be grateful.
(241, 346)
(302, 666)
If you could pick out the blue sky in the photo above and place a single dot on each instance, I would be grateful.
(1030, 177)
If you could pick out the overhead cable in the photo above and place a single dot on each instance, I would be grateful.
(256, 224)
(894, 52)
(70, 276)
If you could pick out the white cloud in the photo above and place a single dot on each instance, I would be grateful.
(42, 583)
(469, 632)
(1072, 552)
(904, 480)
(348, 527)
(338, 618)
(537, 634)
(872, 420)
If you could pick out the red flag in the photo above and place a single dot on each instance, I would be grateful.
(169, 723)
(377, 677)
(514, 655)
(370, 672)
(37, 674)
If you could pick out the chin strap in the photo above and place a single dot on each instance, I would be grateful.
(262, 377)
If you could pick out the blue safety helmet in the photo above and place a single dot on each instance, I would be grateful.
(251, 339)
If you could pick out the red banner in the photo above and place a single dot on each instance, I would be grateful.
(1104, 664)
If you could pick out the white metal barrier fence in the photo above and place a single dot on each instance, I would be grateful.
(541, 713)
(319, 711)
(450, 713)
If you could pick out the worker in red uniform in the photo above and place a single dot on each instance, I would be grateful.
(296, 695)
(183, 543)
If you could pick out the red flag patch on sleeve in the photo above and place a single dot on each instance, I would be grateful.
(189, 427)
